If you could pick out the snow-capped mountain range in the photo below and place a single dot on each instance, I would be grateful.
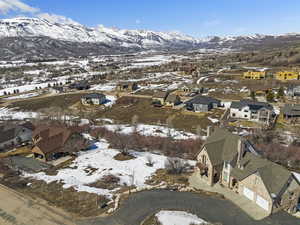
(35, 27)
(24, 37)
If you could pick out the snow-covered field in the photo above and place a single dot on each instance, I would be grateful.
(104, 87)
(166, 217)
(151, 130)
(93, 165)
(16, 115)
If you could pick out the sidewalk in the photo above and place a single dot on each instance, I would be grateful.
(245, 204)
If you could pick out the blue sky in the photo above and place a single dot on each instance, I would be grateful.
(198, 18)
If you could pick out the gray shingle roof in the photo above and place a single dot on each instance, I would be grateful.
(253, 105)
(204, 100)
(94, 95)
(291, 109)
(273, 175)
(221, 146)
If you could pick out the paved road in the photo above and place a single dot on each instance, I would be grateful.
(140, 205)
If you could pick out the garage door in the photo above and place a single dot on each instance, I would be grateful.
(262, 202)
(248, 193)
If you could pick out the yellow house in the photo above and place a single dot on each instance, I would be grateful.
(287, 75)
(255, 75)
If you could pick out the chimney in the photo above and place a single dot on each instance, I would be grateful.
(209, 131)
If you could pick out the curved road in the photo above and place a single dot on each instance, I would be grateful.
(140, 205)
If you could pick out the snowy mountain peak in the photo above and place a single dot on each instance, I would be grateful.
(36, 27)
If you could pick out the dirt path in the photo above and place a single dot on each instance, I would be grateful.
(16, 209)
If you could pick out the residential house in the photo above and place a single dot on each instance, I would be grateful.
(172, 100)
(53, 142)
(252, 111)
(293, 91)
(202, 103)
(159, 97)
(291, 111)
(15, 134)
(255, 75)
(57, 89)
(93, 99)
(82, 85)
(127, 86)
(287, 75)
(233, 162)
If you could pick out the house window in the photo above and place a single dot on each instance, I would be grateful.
(245, 116)
(246, 110)
(233, 114)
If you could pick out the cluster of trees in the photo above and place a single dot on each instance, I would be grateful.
(166, 145)
(268, 143)
(15, 91)
(270, 95)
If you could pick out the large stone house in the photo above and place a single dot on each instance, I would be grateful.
(232, 161)
(12, 135)
(252, 111)
(202, 103)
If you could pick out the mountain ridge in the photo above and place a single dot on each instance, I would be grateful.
(25, 37)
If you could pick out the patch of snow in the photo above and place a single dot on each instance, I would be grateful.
(151, 130)
(297, 176)
(6, 113)
(131, 172)
(166, 217)
(213, 120)
(111, 100)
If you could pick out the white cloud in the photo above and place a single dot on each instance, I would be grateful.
(212, 23)
(53, 18)
(137, 21)
(15, 5)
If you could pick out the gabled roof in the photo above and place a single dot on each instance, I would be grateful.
(9, 132)
(204, 100)
(273, 175)
(160, 94)
(253, 105)
(93, 96)
(172, 98)
(221, 146)
(52, 138)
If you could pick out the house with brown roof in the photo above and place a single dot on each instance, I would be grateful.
(232, 161)
(54, 142)
(12, 135)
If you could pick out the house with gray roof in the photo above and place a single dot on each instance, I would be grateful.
(293, 91)
(12, 135)
(291, 111)
(252, 111)
(93, 99)
(202, 103)
(228, 159)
